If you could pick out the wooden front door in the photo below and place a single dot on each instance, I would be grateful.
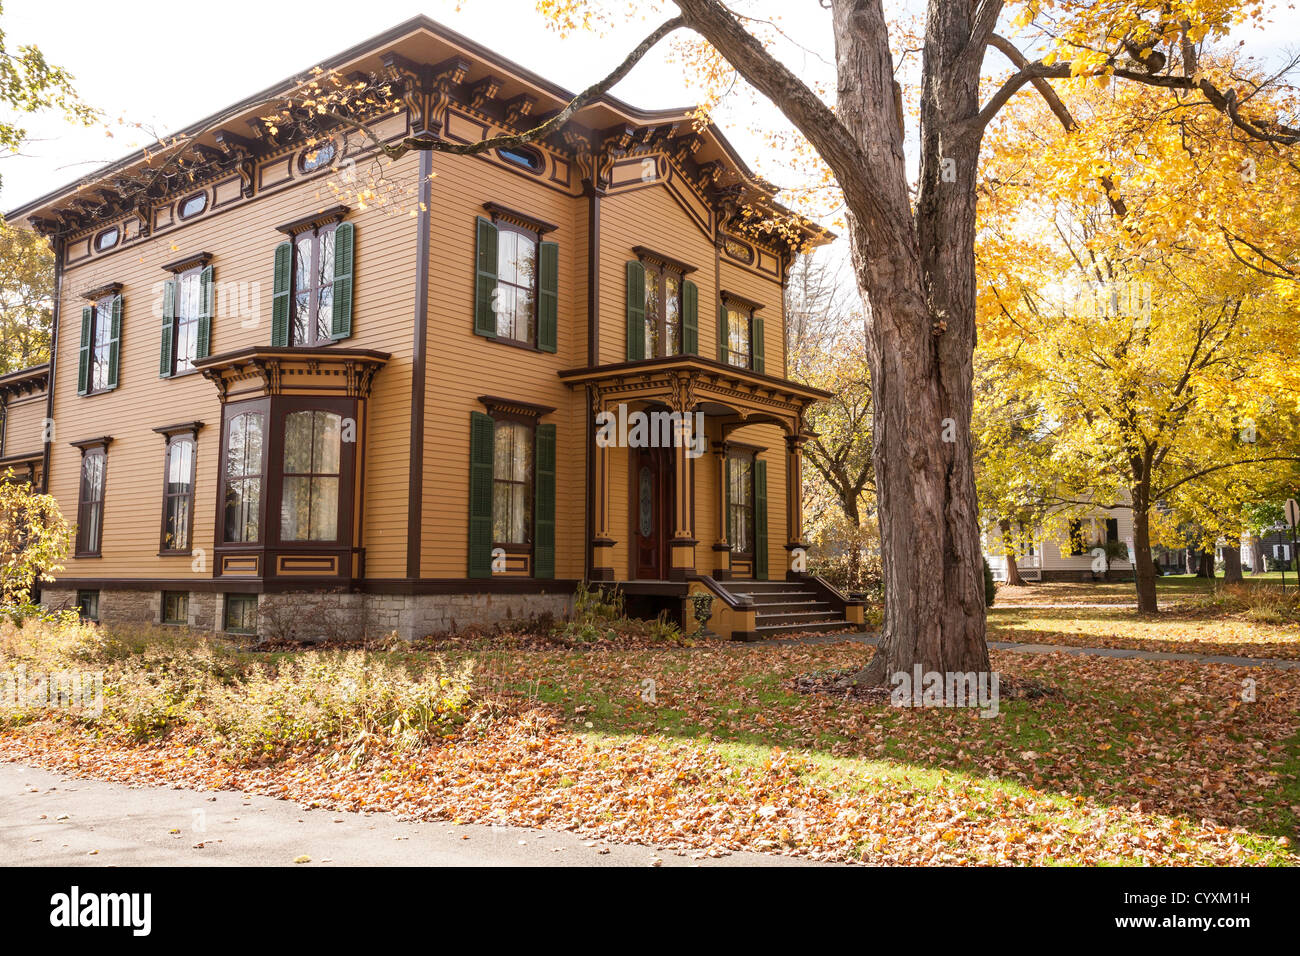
(652, 508)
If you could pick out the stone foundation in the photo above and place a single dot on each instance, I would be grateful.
(324, 615)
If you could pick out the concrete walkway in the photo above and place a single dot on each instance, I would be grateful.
(874, 639)
(48, 819)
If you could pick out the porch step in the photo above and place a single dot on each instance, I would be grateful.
(787, 606)
(766, 631)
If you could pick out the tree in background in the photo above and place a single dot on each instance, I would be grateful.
(1165, 370)
(912, 243)
(34, 539)
(29, 84)
(26, 298)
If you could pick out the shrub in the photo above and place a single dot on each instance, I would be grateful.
(990, 586)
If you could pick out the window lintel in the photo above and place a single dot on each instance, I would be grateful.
(97, 293)
(516, 218)
(195, 260)
(740, 302)
(87, 444)
(182, 428)
(663, 261)
(314, 221)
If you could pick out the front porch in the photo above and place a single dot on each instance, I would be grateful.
(694, 483)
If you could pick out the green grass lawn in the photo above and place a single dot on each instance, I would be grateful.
(711, 748)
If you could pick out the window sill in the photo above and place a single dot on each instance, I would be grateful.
(87, 554)
(514, 343)
(176, 554)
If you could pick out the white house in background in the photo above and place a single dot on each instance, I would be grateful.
(1045, 559)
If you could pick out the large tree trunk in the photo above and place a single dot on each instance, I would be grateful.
(916, 268)
(1204, 564)
(920, 340)
(1013, 570)
(1231, 565)
(1144, 567)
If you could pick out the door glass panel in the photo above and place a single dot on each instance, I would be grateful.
(646, 502)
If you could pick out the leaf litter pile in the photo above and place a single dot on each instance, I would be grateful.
(711, 750)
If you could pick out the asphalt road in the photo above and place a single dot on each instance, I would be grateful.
(47, 819)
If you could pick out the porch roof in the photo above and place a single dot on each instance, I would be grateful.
(691, 382)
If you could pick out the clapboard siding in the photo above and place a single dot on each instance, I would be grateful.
(24, 425)
(242, 241)
(650, 216)
(464, 366)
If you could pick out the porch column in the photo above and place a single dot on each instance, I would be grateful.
(721, 546)
(794, 500)
(602, 544)
(682, 546)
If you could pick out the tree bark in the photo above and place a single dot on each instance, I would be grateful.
(1231, 565)
(1144, 566)
(1205, 565)
(916, 268)
(1013, 570)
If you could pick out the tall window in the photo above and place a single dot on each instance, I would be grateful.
(740, 501)
(90, 502)
(101, 333)
(309, 504)
(188, 304)
(178, 494)
(512, 484)
(516, 293)
(313, 286)
(243, 494)
(739, 338)
(663, 311)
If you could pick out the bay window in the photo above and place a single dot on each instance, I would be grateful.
(309, 501)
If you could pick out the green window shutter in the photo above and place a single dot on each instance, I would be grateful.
(482, 448)
(756, 345)
(168, 328)
(115, 342)
(635, 311)
(690, 318)
(485, 279)
(203, 347)
(760, 520)
(280, 295)
(722, 334)
(341, 319)
(544, 508)
(548, 295)
(83, 362)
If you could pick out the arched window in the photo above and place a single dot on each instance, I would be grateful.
(178, 494)
(107, 239)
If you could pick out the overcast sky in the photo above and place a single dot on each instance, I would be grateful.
(166, 64)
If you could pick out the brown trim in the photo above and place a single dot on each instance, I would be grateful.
(593, 277)
(255, 585)
(667, 262)
(57, 245)
(168, 431)
(315, 220)
(509, 407)
(574, 376)
(189, 262)
(84, 444)
(521, 219)
(740, 302)
(419, 370)
(99, 292)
